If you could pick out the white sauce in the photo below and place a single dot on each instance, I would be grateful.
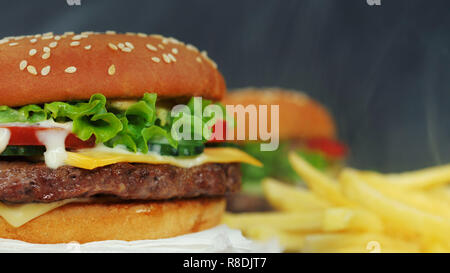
(54, 141)
(43, 124)
(5, 135)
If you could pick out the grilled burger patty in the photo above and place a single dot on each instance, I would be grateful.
(24, 182)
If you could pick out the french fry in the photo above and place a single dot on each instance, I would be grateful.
(336, 219)
(401, 216)
(441, 193)
(417, 199)
(332, 219)
(359, 249)
(289, 198)
(322, 185)
(422, 179)
(435, 247)
(290, 241)
(350, 219)
(370, 242)
(287, 221)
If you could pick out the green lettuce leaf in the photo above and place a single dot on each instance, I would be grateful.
(28, 114)
(89, 118)
(104, 126)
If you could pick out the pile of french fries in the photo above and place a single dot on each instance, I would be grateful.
(360, 211)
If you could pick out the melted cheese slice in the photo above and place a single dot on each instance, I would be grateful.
(94, 158)
(17, 215)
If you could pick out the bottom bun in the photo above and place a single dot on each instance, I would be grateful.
(129, 221)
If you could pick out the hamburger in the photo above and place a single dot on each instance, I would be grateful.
(305, 126)
(87, 150)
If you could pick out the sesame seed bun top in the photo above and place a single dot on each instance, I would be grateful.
(48, 67)
(300, 117)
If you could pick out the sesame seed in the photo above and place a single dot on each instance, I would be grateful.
(175, 41)
(198, 59)
(143, 35)
(57, 38)
(112, 70)
(84, 35)
(191, 47)
(53, 44)
(71, 69)
(23, 64)
(45, 70)
(174, 51)
(13, 44)
(87, 47)
(46, 49)
(37, 35)
(4, 41)
(166, 58)
(205, 55)
(171, 57)
(32, 70)
(46, 55)
(110, 32)
(76, 43)
(112, 46)
(120, 45)
(48, 34)
(161, 46)
(130, 45)
(33, 41)
(77, 37)
(151, 47)
(165, 41)
(130, 33)
(32, 52)
(156, 59)
(69, 33)
(126, 49)
(19, 38)
(157, 36)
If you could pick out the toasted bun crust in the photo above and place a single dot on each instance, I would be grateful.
(300, 116)
(143, 69)
(118, 221)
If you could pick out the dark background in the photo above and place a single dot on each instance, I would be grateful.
(383, 71)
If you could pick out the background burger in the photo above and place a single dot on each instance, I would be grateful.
(85, 137)
(305, 126)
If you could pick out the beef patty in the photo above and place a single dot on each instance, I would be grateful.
(24, 182)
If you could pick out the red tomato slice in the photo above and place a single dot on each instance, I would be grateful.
(24, 136)
(72, 141)
(332, 148)
(215, 137)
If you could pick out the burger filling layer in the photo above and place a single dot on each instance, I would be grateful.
(62, 152)
(24, 182)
